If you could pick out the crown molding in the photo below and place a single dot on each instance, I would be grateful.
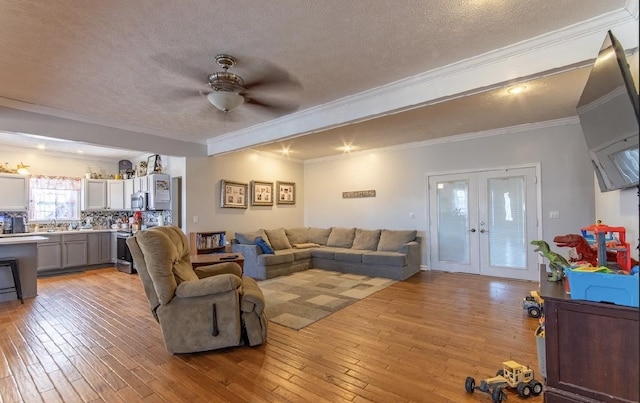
(456, 138)
(536, 56)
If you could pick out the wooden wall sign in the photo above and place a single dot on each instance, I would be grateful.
(358, 193)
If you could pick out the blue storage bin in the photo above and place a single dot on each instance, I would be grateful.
(618, 289)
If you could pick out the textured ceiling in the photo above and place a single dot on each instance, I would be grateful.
(141, 65)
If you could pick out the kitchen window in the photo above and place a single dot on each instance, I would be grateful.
(54, 198)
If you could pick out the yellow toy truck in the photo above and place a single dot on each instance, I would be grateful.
(512, 375)
(533, 304)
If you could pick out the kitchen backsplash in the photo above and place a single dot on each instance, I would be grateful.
(101, 219)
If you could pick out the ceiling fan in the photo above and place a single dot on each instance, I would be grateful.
(229, 90)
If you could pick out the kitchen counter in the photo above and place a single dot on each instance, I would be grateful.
(25, 250)
(44, 232)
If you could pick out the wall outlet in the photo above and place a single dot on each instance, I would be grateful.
(195, 218)
(554, 214)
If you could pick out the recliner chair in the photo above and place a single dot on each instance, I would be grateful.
(209, 308)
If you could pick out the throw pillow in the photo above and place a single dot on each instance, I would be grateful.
(319, 235)
(366, 240)
(278, 239)
(264, 246)
(341, 237)
(305, 245)
(392, 241)
(249, 238)
(297, 235)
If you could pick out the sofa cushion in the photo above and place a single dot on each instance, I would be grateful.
(297, 235)
(249, 238)
(264, 246)
(278, 239)
(341, 237)
(392, 241)
(366, 240)
(319, 235)
(301, 254)
(305, 245)
(324, 253)
(268, 260)
(349, 255)
(385, 258)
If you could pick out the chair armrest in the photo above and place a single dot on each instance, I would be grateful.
(219, 268)
(407, 246)
(249, 252)
(252, 299)
(207, 286)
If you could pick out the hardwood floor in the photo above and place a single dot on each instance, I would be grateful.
(90, 337)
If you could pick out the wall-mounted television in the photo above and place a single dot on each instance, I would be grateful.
(608, 113)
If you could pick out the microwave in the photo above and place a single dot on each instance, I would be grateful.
(139, 201)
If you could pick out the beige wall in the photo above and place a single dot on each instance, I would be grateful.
(202, 184)
(399, 179)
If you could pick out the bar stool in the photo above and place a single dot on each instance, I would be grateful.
(17, 287)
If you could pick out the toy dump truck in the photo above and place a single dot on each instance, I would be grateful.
(533, 304)
(512, 375)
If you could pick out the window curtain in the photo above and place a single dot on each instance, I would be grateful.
(54, 197)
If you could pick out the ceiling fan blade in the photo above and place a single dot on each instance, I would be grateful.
(269, 75)
(184, 93)
(181, 67)
(273, 107)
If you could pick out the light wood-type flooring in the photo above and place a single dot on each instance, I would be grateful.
(90, 337)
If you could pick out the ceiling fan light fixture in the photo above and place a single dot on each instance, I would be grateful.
(23, 169)
(225, 100)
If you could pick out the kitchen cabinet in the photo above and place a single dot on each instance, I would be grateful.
(99, 248)
(115, 195)
(140, 184)
(15, 192)
(94, 194)
(128, 190)
(74, 250)
(49, 253)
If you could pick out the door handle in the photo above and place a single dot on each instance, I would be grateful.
(482, 231)
(472, 230)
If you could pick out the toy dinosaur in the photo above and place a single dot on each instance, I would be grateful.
(583, 249)
(557, 262)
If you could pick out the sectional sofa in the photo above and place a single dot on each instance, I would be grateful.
(381, 253)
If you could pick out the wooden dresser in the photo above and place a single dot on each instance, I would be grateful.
(592, 352)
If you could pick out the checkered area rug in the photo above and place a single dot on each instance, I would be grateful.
(299, 299)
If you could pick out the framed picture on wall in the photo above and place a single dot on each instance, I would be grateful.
(233, 194)
(154, 164)
(261, 193)
(286, 192)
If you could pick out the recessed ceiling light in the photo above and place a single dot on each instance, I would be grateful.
(516, 90)
(285, 151)
(347, 148)
(41, 147)
(80, 152)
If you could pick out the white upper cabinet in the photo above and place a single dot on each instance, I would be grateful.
(115, 195)
(94, 194)
(141, 184)
(14, 192)
(128, 190)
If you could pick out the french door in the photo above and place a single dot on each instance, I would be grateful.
(483, 222)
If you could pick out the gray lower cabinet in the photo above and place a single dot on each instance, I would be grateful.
(74, 250)
(50, 253)
(99, 247)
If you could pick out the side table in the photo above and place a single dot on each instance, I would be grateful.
(215, 258)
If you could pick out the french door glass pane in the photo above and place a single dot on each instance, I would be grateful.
(507, 222)
(453, 221)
